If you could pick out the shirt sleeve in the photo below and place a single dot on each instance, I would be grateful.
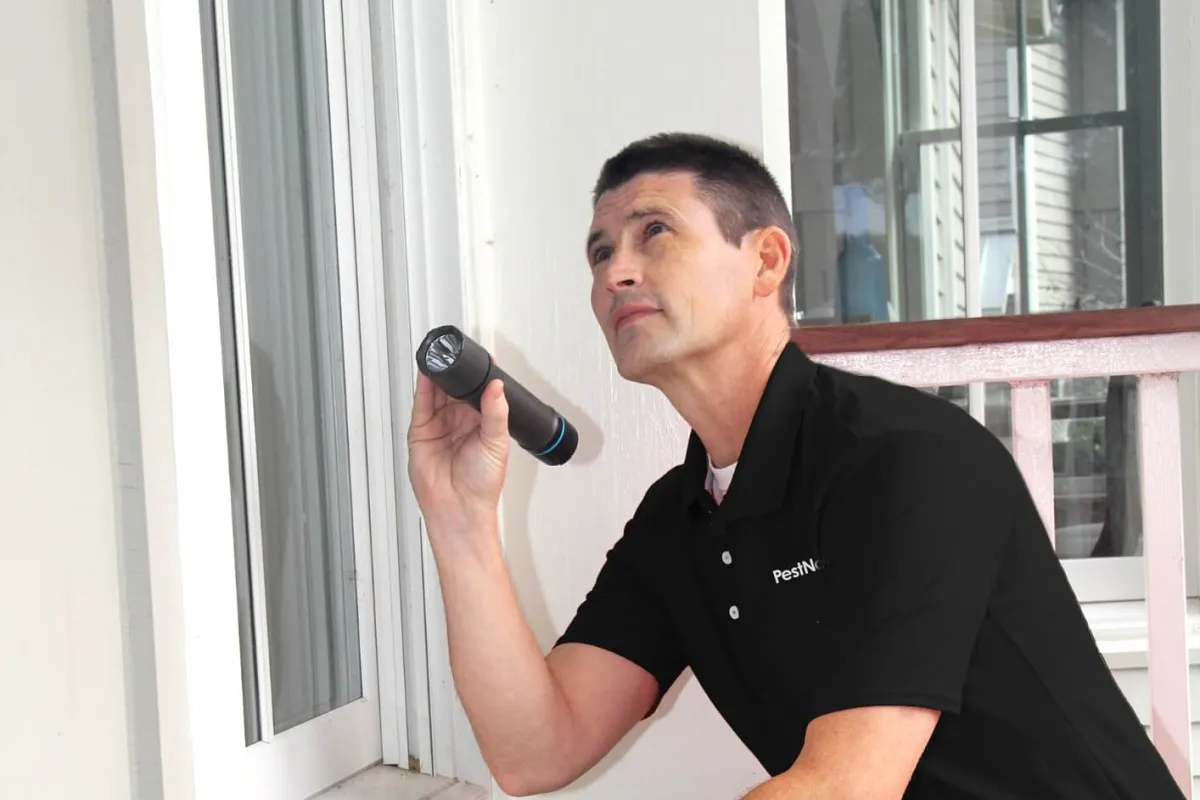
(625, 614)
(913, 537)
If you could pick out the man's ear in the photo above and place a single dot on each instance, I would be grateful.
(774, 251)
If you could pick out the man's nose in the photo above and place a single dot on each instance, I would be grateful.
(624, 271)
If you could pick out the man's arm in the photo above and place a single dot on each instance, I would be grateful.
(861, 753)
(541, 721)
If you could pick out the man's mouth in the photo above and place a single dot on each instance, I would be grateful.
(628, 315)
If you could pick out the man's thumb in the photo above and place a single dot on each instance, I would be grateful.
(494, 409)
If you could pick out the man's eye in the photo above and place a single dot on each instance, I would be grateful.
(655, 228)
(601, 254)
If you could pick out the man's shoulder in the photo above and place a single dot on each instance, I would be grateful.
(865, 414)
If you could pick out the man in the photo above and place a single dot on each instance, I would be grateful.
(853, 570)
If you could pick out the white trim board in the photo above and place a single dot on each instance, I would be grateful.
(425, 101)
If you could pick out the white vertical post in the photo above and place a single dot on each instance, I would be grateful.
(969, 113)
(891, 131)
(1166, 596)
(1032, 445)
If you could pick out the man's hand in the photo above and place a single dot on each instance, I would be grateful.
(858, 754)
(457, 456)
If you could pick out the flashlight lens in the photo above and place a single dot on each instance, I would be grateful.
(444, 351)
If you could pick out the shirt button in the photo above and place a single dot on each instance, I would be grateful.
(726, 558)
(733, 612)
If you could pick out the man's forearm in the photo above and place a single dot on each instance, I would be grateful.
(516, 708)
(791, 785)
(809, 779)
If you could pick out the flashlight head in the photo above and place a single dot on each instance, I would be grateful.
(443, 352)
(453, 361)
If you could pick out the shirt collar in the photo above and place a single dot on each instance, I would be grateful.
(765, 463)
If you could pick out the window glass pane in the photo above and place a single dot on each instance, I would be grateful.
(291, 324)
(1097, 495)
(1068, 165)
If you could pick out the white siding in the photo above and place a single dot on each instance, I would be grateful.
(1049, 180)
(941, 164)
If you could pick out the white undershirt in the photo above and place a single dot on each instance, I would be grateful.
(719, 479)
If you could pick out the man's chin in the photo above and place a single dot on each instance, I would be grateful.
(638, 367)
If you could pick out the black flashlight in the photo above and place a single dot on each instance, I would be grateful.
(463, 369)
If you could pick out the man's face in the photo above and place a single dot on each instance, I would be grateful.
(666, 285)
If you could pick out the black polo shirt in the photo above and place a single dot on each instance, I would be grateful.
(877, 546)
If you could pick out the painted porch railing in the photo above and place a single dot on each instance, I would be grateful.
(1156, 345)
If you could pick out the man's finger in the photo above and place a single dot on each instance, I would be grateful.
(424, 401)
(494, 408)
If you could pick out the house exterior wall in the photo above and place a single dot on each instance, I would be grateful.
(63, 692)
(564, 87)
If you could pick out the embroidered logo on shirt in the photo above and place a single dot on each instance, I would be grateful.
(802, 568)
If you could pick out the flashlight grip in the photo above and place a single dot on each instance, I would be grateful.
(463, 370)
(534, 425)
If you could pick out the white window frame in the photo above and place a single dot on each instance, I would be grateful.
(1100, 581)
(164, 108)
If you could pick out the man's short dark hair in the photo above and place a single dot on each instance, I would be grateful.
(737, 186)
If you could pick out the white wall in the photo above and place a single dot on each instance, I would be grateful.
(566, 85)
(62, 676)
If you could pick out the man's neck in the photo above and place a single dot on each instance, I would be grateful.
(719, 397)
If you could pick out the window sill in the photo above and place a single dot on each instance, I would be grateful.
(392, 783)
(1120, 631)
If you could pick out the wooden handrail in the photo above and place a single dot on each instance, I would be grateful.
(874, 337)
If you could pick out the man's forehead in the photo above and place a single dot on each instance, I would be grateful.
(649, 192)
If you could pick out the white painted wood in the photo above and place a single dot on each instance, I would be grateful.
(1162, 504)
(403, 237)
(195, 500)
(478, 278)
(1180, 164)
(377, 378)
(312, 756)
(1025, 361)
(1032, 445)
(390, 783)
(444, 231)
(1107, 580)
(969, 101)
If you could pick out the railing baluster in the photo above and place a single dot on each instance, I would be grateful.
(1166, 592)
(1032, 443)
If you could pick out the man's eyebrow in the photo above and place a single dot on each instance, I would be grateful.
(632, 216)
